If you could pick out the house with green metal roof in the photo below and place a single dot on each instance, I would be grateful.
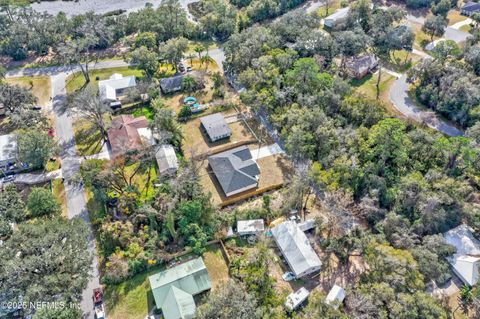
(174, 288)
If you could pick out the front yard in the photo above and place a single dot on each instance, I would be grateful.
(39, 85)
(87, 138)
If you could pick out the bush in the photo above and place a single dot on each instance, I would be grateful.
(41, 202)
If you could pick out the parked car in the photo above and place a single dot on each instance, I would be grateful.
(98, 303)
(9, 178)
(288, 276)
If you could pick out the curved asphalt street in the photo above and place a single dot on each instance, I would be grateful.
(404, 104)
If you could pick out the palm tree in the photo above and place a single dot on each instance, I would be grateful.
(207, 60)
(199, 50)
(465, 298)
(189, 84)
(190, 56)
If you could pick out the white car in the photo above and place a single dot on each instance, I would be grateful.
(289, 276)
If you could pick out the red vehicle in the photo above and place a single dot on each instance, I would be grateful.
(98, 304)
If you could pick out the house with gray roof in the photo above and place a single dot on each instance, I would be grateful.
(172, 84)
(359, 66)
(470, 8)
(235, 170)
(166, 160)
(215, 127)
(295, 247)
(173, 289)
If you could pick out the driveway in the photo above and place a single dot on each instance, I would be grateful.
(75, 194)
(266, 151)
(456, 35)
(403, 103)
(32, 179)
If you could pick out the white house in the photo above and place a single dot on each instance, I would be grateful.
(8, 148)
(296, 298)
(115, 86)
(166, 160)
(250, 227)
(338, 15)
(335, 296)
(466, 260)
(295, 247)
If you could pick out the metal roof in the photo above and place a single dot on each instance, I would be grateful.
(296, 298)
(191, 277)
(465, 261)
(108, 88)
(216, 126)
(8, 147)
(235, 169)
(296, 248)
(335, 296)
(250, 226)
(178, 304)
(166, 158)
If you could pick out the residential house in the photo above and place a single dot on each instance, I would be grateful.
(166, 160)
(335, 296)
(360, 66)
(295, 247)
(173, 289)
(466, 260)
(8, 149)
(215, 127)
(337, 16)
(112, 89)
(129, 133)
(295, 299)
(470, 8)
(235, 170)
(172, 84)
(250, 227)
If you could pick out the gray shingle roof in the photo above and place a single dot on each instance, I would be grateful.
(171, 84)
(216, 126)
(471, 7)
(235, 169)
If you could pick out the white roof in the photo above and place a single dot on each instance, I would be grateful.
(146, 135)
(250, 226)
(336, 294)
(296, 298)
(296, 248)
(166, 158)
(339, 14)
(465, 261)
(8, 146)
(108, 88)
(307, 225)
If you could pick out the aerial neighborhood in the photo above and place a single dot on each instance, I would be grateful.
(225, 159)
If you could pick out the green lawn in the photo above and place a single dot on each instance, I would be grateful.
(87, 138)
(216, 265)
(144, 180)
(76, 80)
(368, 88)
(146, 111)
(40, 86)
(131, 299)
(58, 190)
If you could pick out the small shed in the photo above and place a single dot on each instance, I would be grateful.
(336, 296)
(307, 225)
(295, 299)
(166, 160)
(338, 15)
(250, 227)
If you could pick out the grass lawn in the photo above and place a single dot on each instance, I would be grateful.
(131, 299)
(466, 28)
(87, 138)
(454, 16)
(421, 38)
(334, 6)
(144, 180)
(53, 165)
(76, 80)
(216, 265)
(146, 111)
(40, 86)
(368, 88)
(58, 190)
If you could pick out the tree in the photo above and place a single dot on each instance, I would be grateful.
(46, 260)
(35, 148)
(441, 8)
(318, 308)
(173, 50)
(230, 300)
(147, 40)
(12, 207)
(146, 60)
(434, 26)
(66, 312)
(189, 84)
(90, 107)
(446, 49)
(166, 126)
(41, 202)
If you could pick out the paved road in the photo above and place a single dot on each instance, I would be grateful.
(403, 103)
(32, 179)
(76, 200)
(103, 6)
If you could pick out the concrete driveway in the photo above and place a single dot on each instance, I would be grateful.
(266, 151)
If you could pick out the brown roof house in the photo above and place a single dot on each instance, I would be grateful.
(359, 66)
(235, 170)
(129, 133)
